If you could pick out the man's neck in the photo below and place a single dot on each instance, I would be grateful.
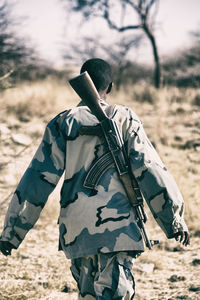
(102, 95)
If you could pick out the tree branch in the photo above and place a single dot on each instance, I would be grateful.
(6, 75)
(113, 26)
(149, 6)
(137, 8)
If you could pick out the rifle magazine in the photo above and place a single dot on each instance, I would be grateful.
(97, 170)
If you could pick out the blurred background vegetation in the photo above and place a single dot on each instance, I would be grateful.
(20, 61)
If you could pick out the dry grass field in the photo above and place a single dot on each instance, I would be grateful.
(171, 117)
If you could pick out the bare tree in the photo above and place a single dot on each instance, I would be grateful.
(87, 47)
(119, 56)
(145, 11)
(13, 52)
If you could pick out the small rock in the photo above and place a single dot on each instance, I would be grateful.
(177, 249)
(24, 118)
(44, 284)
(35, 130)
(65, 289)
(146, 268)
(175, 278)
(4, 161)
(4, 130)
(178, 138)
(8, 179)
(21, 139)
(69, 288)
(194, 288)
(196, 262)
(197, 233)
(180, 110)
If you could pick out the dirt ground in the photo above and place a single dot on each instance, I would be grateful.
(38, 271)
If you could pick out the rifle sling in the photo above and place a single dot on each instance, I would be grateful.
(91, 130)
(96, 130)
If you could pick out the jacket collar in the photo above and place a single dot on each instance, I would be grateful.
(102, 102)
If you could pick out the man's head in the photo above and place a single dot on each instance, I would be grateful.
(100, 73)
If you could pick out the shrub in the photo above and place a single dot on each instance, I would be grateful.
(196, 100)
(146, 94)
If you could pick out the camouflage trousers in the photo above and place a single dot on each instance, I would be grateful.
(104, 276)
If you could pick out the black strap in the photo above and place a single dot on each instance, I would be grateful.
(96, 130)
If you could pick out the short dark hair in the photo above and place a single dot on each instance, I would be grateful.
(99, 71)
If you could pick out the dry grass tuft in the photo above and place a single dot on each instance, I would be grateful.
(38, 99)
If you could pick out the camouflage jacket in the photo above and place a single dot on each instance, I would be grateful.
(93, 221)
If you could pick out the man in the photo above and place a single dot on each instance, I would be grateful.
(98, 227)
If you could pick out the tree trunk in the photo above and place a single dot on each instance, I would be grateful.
(157, 71)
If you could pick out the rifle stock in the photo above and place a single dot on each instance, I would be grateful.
(85, 88)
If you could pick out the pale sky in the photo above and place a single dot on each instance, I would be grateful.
(48, 25)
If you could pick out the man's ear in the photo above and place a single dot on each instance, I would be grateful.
(109, 88)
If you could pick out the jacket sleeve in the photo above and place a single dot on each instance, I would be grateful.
(38, 181)
(156, 183)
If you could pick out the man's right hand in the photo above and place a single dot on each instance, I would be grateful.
(183, 237)
(6, 248)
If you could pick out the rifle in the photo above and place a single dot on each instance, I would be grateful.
(116, 154)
